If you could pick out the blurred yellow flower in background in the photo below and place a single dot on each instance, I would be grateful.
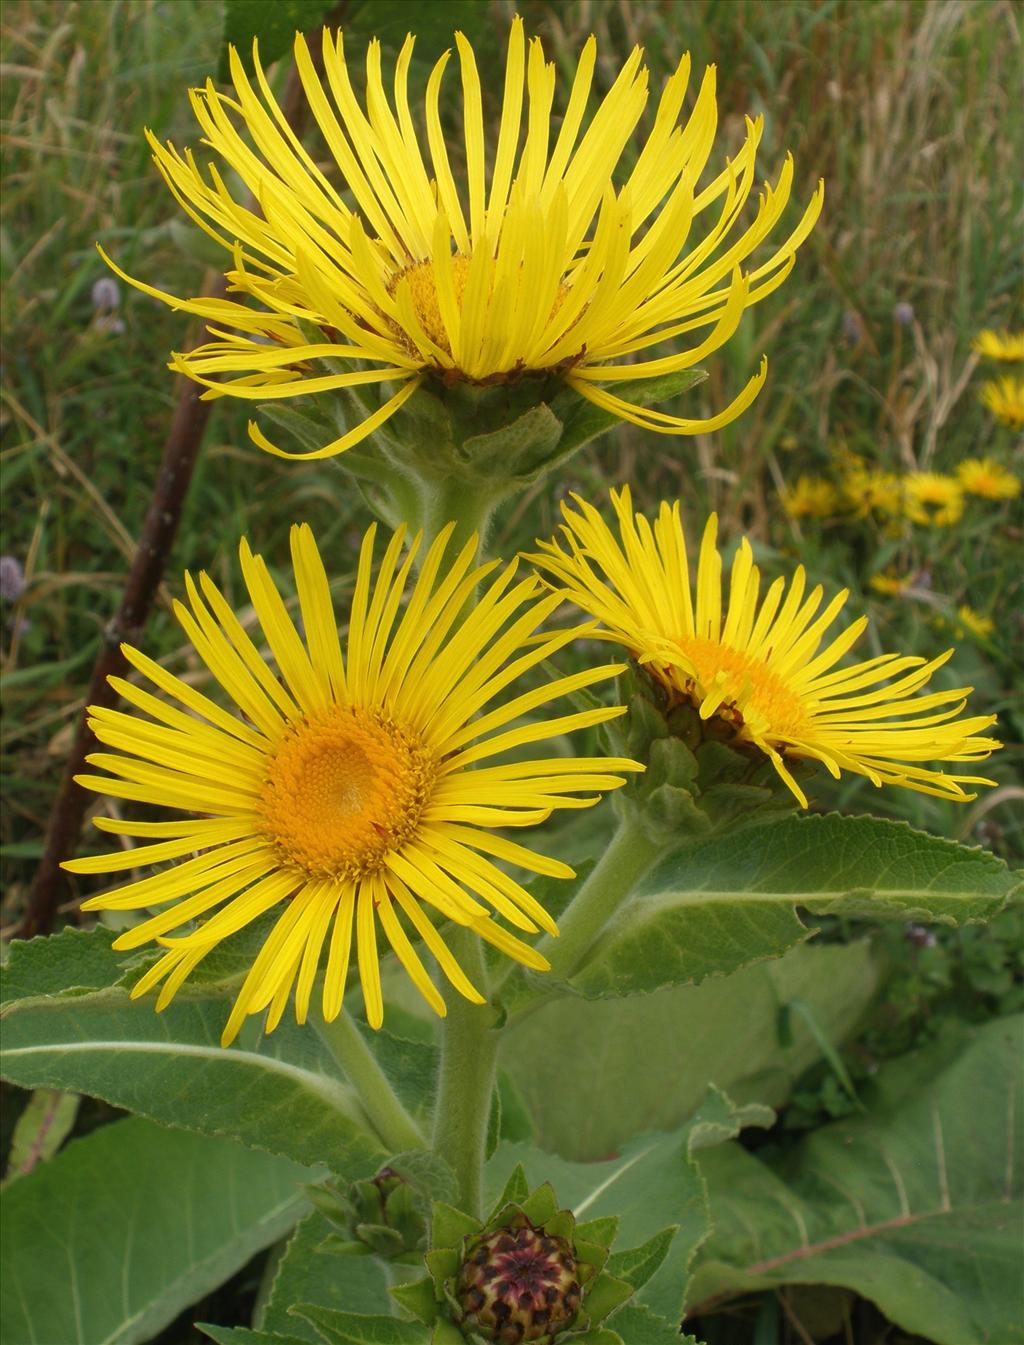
(871, 490)
(1007, 346)
(811, 497)
(933, 499)
(987, 478)
(892, 585)
(974, 622)
(1004, 397)
(547, 255)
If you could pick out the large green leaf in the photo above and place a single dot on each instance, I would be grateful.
(654, 1183)
(917, 1205)
(662, 1049)
(733, 900)
(114, 1237)
(281, 1093)
(306, 1275)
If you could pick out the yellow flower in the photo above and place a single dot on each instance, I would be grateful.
(1005, 399)
(1007, 346)
(341, 792)
(760, 666)
(933, 499)
(871, 490)
(556, 261)
(890, 584)
(987, 478)
(811, 497)
(973, 621)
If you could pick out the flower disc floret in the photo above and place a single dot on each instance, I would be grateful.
(554, 252)
(761, 665)
(355, 797)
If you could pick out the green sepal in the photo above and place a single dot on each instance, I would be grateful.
(516, 1188)
(443, 1264)
(584, 421)
(561, 1224)
(417, 1297)
(541, 1205)
(335, 1245)
(446, 1333)
(448, 1226)
(636, 1265)
(602, 1335)
(382, 1241)
(601, 1231)
(606, 1294)
(590, 1257)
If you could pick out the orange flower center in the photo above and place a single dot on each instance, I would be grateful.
(750, 692)
(344, 788)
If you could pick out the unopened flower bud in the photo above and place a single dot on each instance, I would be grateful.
(903, 314)
(519, 1284)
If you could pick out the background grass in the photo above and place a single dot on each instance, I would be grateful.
(906, 109)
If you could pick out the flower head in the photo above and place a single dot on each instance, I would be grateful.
(811, 497)
(1005, 399)
(974, 623)
(1005, 346)
(891, 584)
(869, 490)
(988, 479)
(933, 499)
(557, 261)
(341, 793)
(759, 665)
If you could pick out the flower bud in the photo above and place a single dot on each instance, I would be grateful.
(519, 1284)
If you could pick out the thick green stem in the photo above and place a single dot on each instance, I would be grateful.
(631, 854)
(469, 1047)
(396, 1128)
(448, 500)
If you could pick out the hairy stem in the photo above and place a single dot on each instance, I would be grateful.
(396, 1128)
(630, 855)
(469, 1047)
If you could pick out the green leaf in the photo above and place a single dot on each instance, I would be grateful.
(244, 1335)
(115, 1236)
(638, 1325)
(279, 1093)
(728, 902)
(351, 1328)
(273, 25)
(71, 962)
(41, 1129)
(917, 1205)
(306, 1275)
(662, 1049)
